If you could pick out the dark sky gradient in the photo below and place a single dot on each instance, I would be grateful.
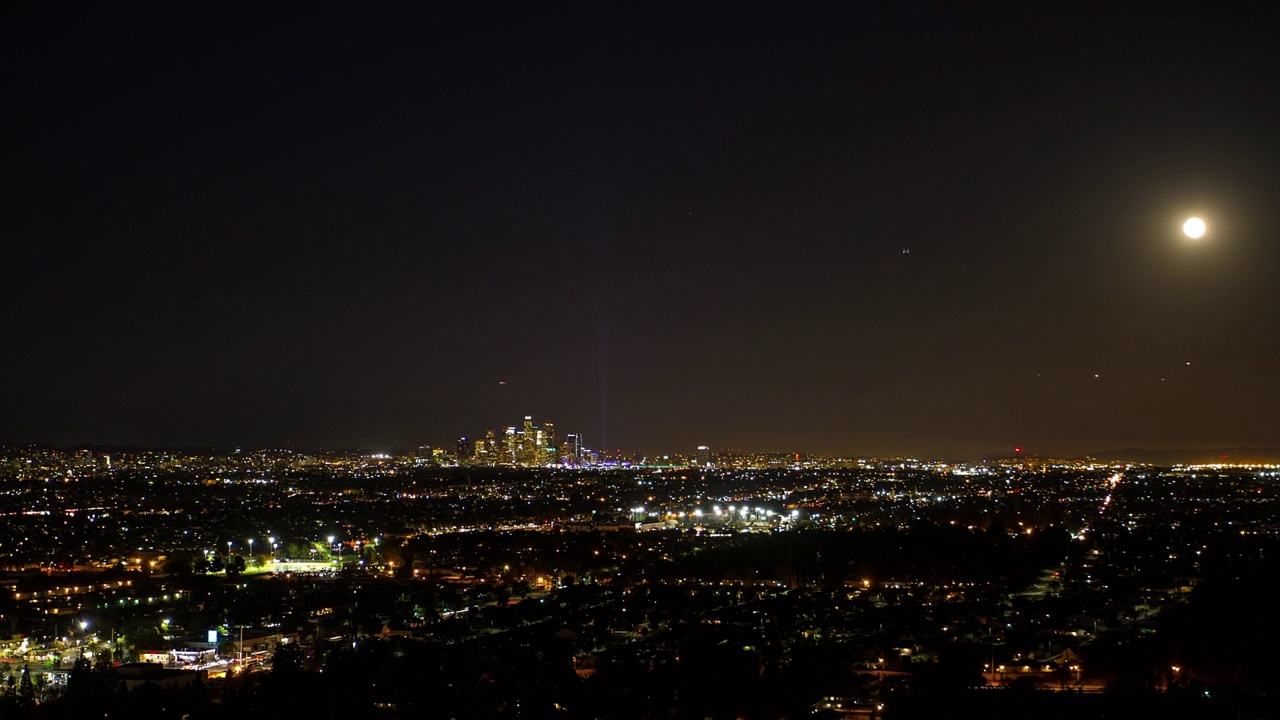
(346, 228)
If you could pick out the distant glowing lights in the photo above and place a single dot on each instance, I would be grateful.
(1193, 228)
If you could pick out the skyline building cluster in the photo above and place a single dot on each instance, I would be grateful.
(526, 445)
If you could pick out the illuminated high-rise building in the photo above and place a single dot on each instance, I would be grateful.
(510, 446)
(548, 453)
(572, 451)
(486, 450)
(527, 440)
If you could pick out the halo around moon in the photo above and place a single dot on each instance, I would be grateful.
(1193, 228)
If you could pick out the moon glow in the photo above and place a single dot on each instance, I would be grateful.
(1193, 228)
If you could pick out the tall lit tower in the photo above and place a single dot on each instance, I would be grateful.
(528, 443)
(510, 445)
(547, 454)
(573, 448)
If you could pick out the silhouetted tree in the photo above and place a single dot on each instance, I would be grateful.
(26, 691)
(143, 634)
(9, 697)
(178, 565)
(286, 661)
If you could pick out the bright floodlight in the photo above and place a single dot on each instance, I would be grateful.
(1193, 227)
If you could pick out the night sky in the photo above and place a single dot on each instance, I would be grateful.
(351, 228)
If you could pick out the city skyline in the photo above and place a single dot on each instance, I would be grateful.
(874, 231)
(492, 450)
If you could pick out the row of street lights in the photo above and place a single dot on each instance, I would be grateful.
(270, 540)
(334, 545)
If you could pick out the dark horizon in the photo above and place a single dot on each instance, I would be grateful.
(874, 232)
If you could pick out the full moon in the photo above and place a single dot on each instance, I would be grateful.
(1193, 227)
